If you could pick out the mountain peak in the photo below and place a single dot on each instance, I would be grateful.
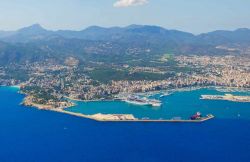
(36, 25)
(95, 28)
(146, 29)
(35, 28)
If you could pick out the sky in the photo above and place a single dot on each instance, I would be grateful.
(195, 16)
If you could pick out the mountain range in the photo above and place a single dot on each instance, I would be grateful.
(35, 43)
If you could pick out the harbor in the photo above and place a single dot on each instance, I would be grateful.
(178, 106)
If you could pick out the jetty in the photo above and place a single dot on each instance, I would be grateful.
(226, 97)
(130, 118)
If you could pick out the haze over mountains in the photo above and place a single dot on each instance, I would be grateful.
(34, 43)
(96, 33)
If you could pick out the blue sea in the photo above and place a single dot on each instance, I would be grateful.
(31, 135)
(181, 104)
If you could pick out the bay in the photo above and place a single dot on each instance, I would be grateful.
(31, 135)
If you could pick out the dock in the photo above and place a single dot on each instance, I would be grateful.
(226, 97)
(176, 121)
(130, 118)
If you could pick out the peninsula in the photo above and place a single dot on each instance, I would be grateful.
(32, 101)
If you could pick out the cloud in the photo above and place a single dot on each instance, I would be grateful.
(127, 3)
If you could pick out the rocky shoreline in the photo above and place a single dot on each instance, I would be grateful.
(30, 101)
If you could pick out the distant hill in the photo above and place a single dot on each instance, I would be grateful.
(129, 33)
(36, 32)
(226, 37)
(35, 43)
(27, 34)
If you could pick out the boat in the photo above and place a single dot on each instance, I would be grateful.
(196, 116)
(163, 95)
(155, 103)
(136, 101)
(143, 101)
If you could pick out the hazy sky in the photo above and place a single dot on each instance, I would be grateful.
(194, 16)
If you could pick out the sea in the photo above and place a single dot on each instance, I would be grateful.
(32, 135)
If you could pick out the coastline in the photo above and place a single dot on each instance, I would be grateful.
(13, 86)
(169, 92)
(16, 86)
(232, 89)
(186, 89)
(79, 100)
(62, 109)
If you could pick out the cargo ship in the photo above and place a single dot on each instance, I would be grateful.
(196, 116)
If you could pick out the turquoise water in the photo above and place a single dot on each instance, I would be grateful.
(32, 135)
(178, 104)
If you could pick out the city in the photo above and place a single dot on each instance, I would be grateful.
(124, 81)
(52, 84)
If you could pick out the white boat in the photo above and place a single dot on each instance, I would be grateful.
(155, 103)
(137, 103)
(142, 101)
(164, 95)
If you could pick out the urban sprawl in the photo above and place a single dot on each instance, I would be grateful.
(50, 85)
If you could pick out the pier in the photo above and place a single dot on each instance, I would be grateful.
(130, 118)
(226, 97)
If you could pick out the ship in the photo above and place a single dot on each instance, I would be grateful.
(142, 101)
(155, 103)
(196, 116)
(163, 95)
(137, 101)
